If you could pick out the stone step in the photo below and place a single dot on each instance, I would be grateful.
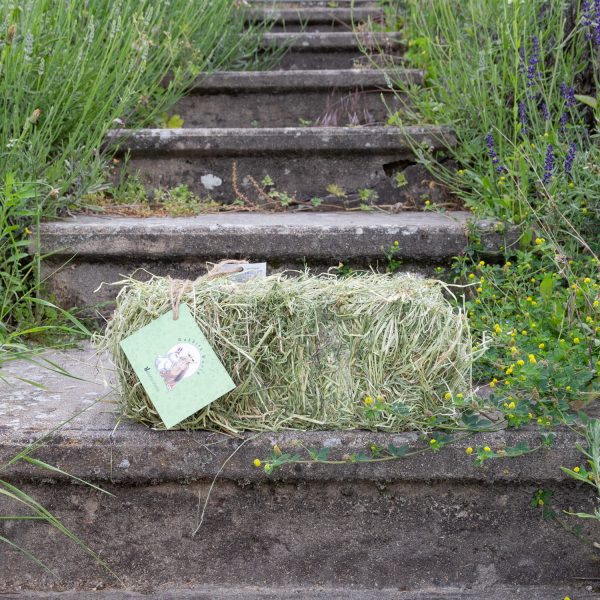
(293, 98)
(302, 162)
(429, 520)
(102, 249)
(306, 4)
(211, 592)
(319, 19)
(331, 50)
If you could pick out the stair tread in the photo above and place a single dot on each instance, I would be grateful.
(301, 80)
(318, 13)
(98, 446)
(495, 592)
(208, 141)
(356, 233)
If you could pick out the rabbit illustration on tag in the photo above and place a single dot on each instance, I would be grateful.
(180, 362)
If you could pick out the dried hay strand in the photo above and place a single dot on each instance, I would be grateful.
(306, 351)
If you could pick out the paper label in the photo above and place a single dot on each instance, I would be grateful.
(249, 271)
(177, 366)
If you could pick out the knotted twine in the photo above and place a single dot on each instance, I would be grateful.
(179, 287)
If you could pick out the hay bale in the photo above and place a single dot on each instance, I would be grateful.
(306, 351)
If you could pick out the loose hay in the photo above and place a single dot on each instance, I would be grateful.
(306, 351)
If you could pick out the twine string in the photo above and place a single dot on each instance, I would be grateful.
(179, 287)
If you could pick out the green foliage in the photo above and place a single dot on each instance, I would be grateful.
(69, 72)
(180, 201)
(539, 321)
(589, 473)
(172, 122)
(27, 508)
(72, 71)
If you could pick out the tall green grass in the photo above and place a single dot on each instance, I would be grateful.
(69, 72)
(500, 69)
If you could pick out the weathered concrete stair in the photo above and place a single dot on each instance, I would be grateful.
(319, 19)
(331, 50)
(431, 522)
(307, 4)
(216, 592)
(102, 249)
(336, 97)
(302, 162)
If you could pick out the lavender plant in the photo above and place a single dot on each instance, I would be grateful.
(71, 71)
(511, 86)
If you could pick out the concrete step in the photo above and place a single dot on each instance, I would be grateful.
(293, 98)
(319, 19)
(307, 4)
(427, 521)
(102, 249)
(331, 50)
(314, 3)
(302, 162)
(210, 592)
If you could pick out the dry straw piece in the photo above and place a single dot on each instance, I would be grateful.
(306, 351)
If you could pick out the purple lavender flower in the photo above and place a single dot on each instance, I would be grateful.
(489, 142)
(532, 70)
(587, 21)
(568, 93)
(545, 111)
(522, 116)
(570, 158)
(597, 22)
(548, 164)
(564, 118)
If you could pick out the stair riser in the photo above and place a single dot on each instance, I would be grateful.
(103, 249)
(288, 108)
(316, 27)
(367, 534)
(317, 19)
(330, 51)
(300, 177)
(297, 60)
(226, 164)
(76, 285)
(307, 4)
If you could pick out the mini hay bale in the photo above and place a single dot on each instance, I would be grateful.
(306, 351)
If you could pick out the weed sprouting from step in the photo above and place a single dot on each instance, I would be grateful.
(349, 110)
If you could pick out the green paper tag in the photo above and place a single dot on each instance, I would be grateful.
(177, 366)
